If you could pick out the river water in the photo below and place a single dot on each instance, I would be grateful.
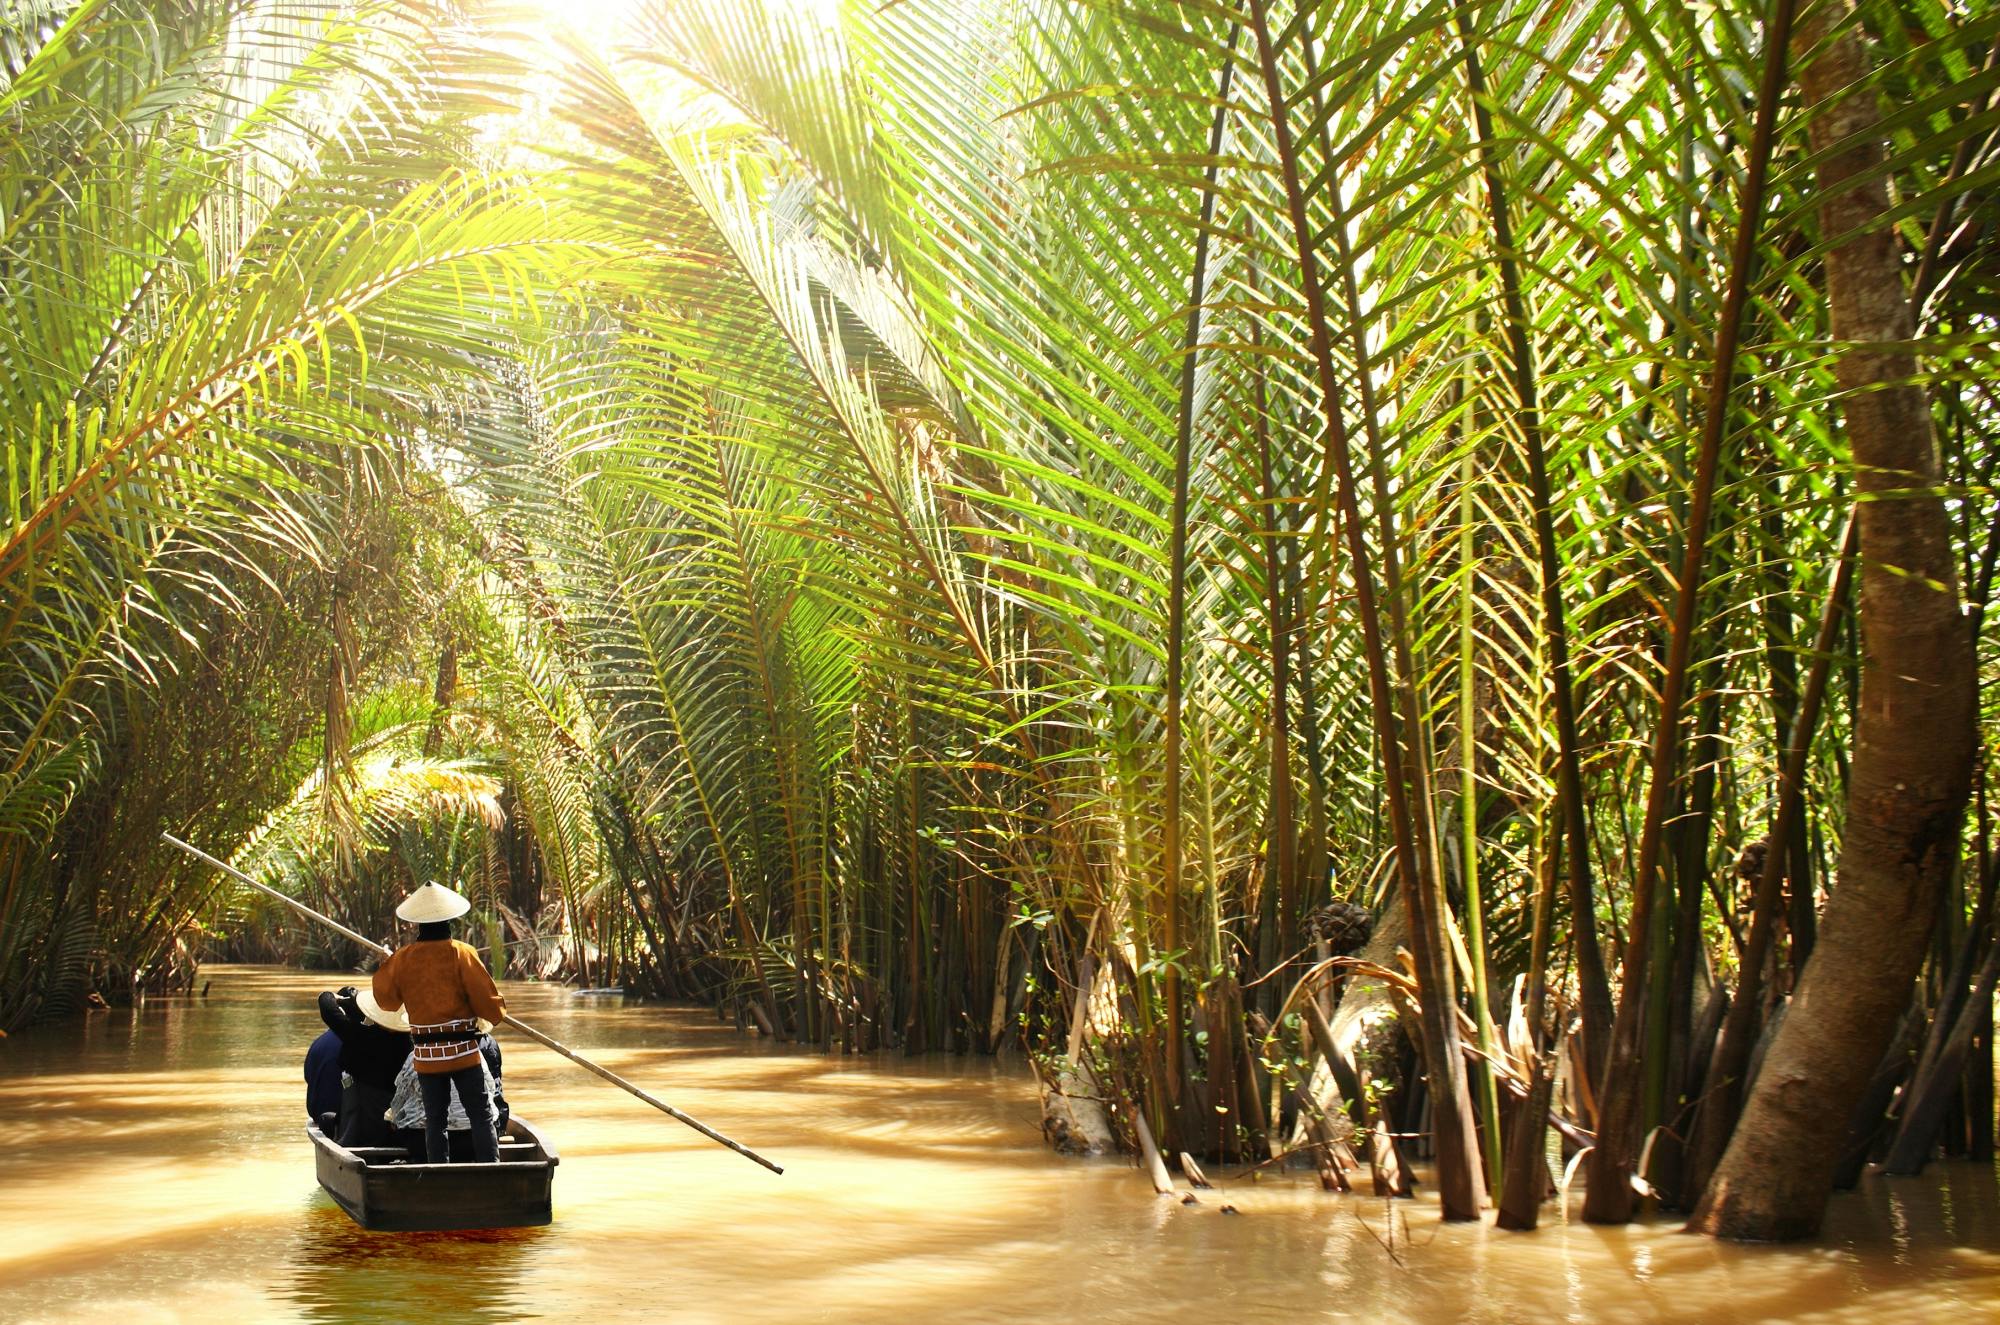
(153, 1168)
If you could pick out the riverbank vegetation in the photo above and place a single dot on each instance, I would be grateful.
(1363, 581)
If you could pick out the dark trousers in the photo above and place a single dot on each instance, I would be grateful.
(458, 1144)
(361, 1120)
(470, 1083)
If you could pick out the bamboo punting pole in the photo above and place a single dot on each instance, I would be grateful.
(546, 1041)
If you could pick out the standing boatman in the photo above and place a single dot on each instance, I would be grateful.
(443, 986)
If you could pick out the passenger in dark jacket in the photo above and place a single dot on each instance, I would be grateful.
(323, 1077)
(373, 1045)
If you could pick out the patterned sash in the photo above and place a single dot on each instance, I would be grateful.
(445, 1041)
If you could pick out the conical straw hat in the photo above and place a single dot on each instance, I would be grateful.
(431, 902)
(375, 1012)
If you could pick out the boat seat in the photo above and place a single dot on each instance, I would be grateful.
(509, 1150)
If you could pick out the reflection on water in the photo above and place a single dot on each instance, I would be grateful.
(470, 1278)
(153, 1167)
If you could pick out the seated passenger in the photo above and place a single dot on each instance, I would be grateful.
(489, 1049)
(323, 1081)
(373, 1044)
(409, 1121)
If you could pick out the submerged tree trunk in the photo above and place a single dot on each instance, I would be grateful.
(1935, 1089)
(1074, 1120)
(1913, 743)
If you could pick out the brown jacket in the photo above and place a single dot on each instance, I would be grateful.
(435, 981)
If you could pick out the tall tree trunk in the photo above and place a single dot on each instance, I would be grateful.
(1170, 836)
(1611, 1195)
(1526, 1183)
(1283, 852)
(1722, 1099)
(1460, 1178)
(442, 694)
(1594, 985)
(1913, 740)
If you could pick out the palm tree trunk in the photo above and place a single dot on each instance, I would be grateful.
(1724, 1094)
(1611, 1197)
(1170, 837)
(1914, 730)
(1594, 985)
(1461, 1185)
(1282, 856)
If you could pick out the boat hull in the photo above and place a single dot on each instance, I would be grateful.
(380, 1188)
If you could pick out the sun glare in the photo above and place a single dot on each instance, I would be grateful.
(604, 17)
(590, 17)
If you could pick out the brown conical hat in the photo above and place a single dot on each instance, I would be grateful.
(431, 902)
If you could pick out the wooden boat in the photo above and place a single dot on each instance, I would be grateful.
(389, 1188)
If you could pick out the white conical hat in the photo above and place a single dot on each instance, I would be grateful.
(431, 902)
(375, 1012)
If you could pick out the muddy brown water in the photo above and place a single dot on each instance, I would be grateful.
(153, 1168)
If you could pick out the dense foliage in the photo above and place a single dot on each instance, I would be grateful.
(972, 523)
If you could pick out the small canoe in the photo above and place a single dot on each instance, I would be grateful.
(387, 1187)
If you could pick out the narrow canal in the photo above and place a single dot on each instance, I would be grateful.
(153, 1168)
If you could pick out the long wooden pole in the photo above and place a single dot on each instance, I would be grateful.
(546, 1041)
